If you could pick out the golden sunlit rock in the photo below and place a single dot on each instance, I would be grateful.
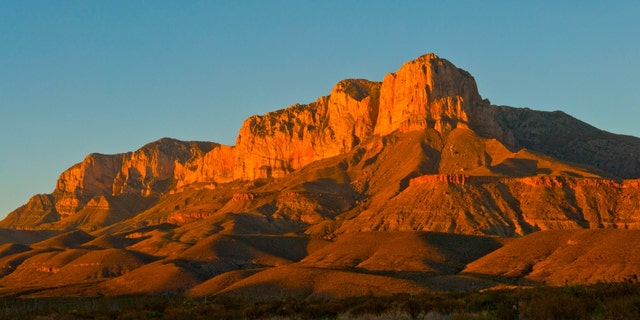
(411, 184)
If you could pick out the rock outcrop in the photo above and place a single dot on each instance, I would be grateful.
(504, 206)
(283, 141)
(205, 169)
(147, 171)
(428, 92)
(154, 169)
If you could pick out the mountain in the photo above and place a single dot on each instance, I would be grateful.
(418, 173)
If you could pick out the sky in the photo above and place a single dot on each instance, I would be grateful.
(78, 77)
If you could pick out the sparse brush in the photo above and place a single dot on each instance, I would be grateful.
(599, 301)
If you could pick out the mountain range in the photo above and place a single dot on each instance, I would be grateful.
(411, 184)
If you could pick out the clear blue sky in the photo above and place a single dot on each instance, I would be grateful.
(109, 76)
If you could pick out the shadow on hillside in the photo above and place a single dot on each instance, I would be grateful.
(519, 167)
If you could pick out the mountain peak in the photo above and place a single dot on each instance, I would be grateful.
(428, 92)
(428, 56)
(427, 95)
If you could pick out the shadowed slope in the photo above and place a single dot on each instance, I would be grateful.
(564, 137)
(153, 278)
(110, 242)
(295, 281)
(376, 263)
(8, 249)
(72, 239)
(401, 251)
(25, 236)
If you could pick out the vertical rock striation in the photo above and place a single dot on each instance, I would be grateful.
(428, 92)
(279, 142)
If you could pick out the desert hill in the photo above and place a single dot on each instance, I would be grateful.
(403, 185)
(566, 257)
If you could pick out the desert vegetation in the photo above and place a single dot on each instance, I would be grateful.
(598, 301)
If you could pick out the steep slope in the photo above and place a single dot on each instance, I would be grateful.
(504, 206)
(428, 92)
(108, 188)
(283, 141)
(563, 137)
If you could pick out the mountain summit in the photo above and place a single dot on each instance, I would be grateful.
(428, 97)
(419, 152)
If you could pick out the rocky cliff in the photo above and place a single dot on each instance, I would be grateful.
(280, 142)
(151, 171)
(427, 94)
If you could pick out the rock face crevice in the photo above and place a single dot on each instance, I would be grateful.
(428, 95)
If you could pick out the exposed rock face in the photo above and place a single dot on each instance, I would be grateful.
(280, 142)
(147, 171)
(214, 166)
(466, 135)
(428, 92)
(40, 209)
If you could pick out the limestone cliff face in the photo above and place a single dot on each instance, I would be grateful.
(208, 169)
(427, 92)
(279, 142)
(147, 171)
(77, 185)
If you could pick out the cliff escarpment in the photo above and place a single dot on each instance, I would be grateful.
(461, 133)
(408, 185)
